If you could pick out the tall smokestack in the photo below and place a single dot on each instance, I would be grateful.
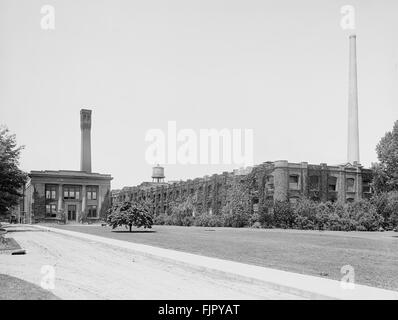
(353, 130)
(85, 153)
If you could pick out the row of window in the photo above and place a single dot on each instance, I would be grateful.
(314, 183)
(71, 192)
(51, 210)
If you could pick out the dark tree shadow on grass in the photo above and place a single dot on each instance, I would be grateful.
(135, 231)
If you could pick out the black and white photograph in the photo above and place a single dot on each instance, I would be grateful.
(198, 153)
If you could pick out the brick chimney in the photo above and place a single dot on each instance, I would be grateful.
(85, 153)
(353, 130)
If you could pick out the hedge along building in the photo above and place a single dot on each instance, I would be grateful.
(271, 181)
(73, 196)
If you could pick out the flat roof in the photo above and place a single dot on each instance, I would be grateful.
(69, 174)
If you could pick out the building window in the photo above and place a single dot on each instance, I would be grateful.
(91, 193)
(366, 187)
(350, 184)
(51, 192)
(293, 181)
(314, 183)
(51, 210)
(72, 192)
(92, 211)
(270, 182)
(332, 183)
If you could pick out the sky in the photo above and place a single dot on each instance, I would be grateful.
(279, 68)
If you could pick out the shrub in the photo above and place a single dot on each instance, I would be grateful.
(304, 223)
(283, 214)
(365, 215)
(266, 216)
(254, 218)
(207, 220)
(360, 228)
(177, 219)
(235, 219)
(256, 225)
(362, 215)
(347, 217)
(323, 212)
(159, 219)
(305, 214)
(187, 221)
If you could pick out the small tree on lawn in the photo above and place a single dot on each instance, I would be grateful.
(129, 214)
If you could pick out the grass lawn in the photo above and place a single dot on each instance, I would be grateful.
(12, 288)
(374, 255)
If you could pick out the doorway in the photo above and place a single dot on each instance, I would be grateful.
(71, 212)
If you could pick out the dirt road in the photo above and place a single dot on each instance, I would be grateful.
(89, 270)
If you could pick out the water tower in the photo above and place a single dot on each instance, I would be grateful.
(158, 174)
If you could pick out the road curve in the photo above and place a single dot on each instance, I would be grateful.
(90, 270)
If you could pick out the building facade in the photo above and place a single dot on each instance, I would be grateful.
(269, 181)
(65, 195)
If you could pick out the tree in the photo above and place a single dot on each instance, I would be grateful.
(129, 214)
(386, 204)
(386, 172)
(12, 178)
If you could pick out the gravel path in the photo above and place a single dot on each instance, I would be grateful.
(87, 270)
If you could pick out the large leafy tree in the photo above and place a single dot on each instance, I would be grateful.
(386, 171)
(129, 214)
(12, 178)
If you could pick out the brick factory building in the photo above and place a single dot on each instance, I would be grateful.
(277, 180)
(70, 196)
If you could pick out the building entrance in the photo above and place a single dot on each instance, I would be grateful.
(71, 212)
